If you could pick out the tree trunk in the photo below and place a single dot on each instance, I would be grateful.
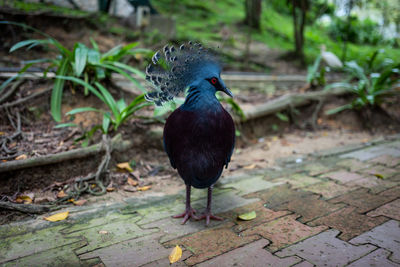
(299, 22)
(253, 14)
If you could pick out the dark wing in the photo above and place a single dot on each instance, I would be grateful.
(230, 136)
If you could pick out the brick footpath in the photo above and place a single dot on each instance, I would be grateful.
(337, 208)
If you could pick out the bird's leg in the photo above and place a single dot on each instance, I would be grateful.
(207, 214)
(189, 211)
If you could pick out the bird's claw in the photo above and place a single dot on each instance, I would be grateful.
(208, 216)
(186, 215)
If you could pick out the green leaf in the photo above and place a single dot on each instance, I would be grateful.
(127, 67)
(24, 43)
(248, 216)
(112, 52)
(8, 81)
(93, 57)
(94, 44)
(282, 117)
(338, 109)
(56, 94)
(69, 124)
(106, 122)
(81, 82)
(81, 55)
(84, 109)
(109, 100)
(121, 105)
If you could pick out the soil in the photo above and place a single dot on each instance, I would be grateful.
(260, 144)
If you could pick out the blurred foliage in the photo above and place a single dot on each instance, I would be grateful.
(371, 84)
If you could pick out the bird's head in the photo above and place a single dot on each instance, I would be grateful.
(175, 69)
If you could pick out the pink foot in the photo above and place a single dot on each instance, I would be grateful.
(208, 216)
(189, 213)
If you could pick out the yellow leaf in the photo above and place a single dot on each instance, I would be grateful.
(23, 156)
(175, 255)
(125, 166)
(378, 175)
(57, 217)
(144, 188)
(132, 182)
(103, 232)
(248, 216)
(250, 167)
(274, 138)
(110, 189)
(24, 199)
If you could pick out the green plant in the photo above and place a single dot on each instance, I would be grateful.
(315, 74)
(82, 61)
(370, 89)
(117, 113)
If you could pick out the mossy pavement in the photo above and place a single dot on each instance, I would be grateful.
(339, 207)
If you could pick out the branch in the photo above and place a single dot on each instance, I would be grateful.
(25, 99)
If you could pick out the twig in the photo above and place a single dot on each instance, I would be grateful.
(117, 144)
(25, 99)
(13, 88)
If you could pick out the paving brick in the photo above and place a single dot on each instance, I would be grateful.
(251, 184)
(354, 165)
(380, 170)
(378, 257)
(385, 236)
(172, 228)
(343, 176)
(303, 264)
(310, 207)
(316, 168)
(34, 242)
(375, 185)
(349, 222)
(165, 261)
(298, 180)
(391, 210)
(252, 254)
(363, 200)
(387, 160)
(325, 249)
(372, 152)
(212, 242)
(283, 231)
(134, 252)
(263, 215)
(328, 189)
(60, 256)
(278, 195)
(113, 233)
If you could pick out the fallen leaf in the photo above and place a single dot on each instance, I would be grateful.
(248, 216)
(125, 166)
(57, 217)
(80, 202)
(144, 188)
(103, 232)
(24, 199)
(132, 182)
(175, 255)
(61, 194)
(274, 138)
(20, 157)
(2, 133)
(250, 167)
(378, 175)
(110, 189)
(319, 121)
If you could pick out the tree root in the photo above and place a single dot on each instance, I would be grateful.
(28, 208)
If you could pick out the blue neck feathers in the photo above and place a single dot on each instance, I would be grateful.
(199, 98)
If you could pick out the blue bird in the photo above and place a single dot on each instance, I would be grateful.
(199, 136)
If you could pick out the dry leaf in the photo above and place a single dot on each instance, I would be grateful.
(125, 166)
(129, 188)
(80, 202)
(20, 157)
(250, 167)
(61, 194)
(248, 216)
(110, 189)
(175, 255)
(274, 138)
(319, 121)
(24, 199)
(57, 217)
(144, 188)
(131, 182)
(103, 232)
(2, 133)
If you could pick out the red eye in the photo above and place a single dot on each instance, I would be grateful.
(214, 80)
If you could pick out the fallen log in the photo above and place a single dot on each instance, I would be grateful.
(288, 101)
(116, 143)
